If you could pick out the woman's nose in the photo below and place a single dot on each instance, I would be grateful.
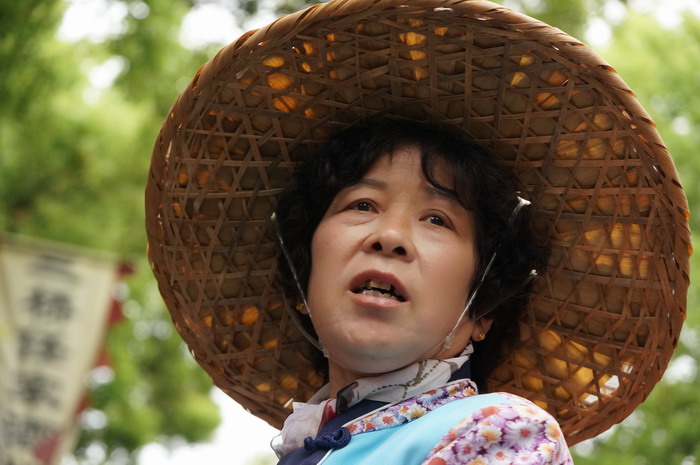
(392, 237)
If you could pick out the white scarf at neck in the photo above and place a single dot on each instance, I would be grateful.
(390, 387)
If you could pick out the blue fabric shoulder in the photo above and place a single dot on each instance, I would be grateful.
(409, 443)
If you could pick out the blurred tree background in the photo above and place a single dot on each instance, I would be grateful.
(78, 119)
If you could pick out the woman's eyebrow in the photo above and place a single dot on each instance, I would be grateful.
(449, 195)
(429, 189)
(371, 182)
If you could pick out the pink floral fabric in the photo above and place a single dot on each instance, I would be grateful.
(415, 407)
(517, 432)
(512, 431)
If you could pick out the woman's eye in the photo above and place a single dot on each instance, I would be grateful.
(436, 220)
(363, 206)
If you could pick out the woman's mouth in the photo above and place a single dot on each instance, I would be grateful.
(379, 289)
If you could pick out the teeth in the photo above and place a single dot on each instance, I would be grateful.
(379, 289)
(375, 293)
(377, 285)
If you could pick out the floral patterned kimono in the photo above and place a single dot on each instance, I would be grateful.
(426, 414)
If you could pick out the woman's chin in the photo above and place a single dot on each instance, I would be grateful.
(373, 360)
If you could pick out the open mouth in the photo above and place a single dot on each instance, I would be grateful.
(379, 289)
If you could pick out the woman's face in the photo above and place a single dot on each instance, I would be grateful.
(392, 263)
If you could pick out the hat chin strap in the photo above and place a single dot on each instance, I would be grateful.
(448, 340)
(290, 308)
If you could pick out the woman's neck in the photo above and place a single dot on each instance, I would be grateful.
(340, 377)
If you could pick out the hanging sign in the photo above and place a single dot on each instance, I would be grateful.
(54, 307)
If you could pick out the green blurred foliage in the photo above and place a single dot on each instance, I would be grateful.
(74, 162)
(159, 67)
(17, 43)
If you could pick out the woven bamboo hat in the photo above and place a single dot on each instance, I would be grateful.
(604, 318)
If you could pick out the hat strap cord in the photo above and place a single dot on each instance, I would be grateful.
(295, 317)
(449, 339)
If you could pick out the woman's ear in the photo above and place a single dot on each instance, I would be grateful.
(481, 328)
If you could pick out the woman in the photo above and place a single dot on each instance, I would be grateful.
(483, 202)
(410, 244)
(601, 318)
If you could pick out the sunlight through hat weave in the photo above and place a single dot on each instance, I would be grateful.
(604, 318)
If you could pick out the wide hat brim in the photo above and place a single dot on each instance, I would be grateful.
(606, 315)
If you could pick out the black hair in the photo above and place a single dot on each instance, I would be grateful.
(481, 185)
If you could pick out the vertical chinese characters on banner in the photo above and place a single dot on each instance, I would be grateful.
(55, 302)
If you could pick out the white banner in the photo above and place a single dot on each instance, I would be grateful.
(54, 306)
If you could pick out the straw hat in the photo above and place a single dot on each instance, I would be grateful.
(604, 318)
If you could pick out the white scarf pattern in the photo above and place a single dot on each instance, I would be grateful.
(391, 387)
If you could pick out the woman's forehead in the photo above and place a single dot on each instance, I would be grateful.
(433, 163)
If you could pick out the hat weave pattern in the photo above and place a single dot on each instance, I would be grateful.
(604, 318)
